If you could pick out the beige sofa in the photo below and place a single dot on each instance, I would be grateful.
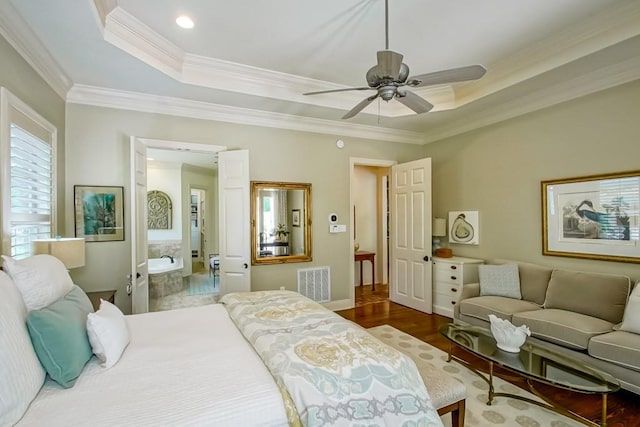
(576, 312)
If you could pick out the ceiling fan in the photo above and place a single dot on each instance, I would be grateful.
(390, 74)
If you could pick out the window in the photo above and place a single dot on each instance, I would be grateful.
(28, 190)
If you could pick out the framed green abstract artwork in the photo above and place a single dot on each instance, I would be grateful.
(99, 213)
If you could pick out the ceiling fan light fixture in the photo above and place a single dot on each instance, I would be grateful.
(387, 92)
(185, 22)
(391, 74)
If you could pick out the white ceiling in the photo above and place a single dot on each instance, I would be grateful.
(250, 61)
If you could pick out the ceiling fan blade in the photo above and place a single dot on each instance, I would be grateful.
(389, 63)
(355, 110)
(413, 101)
(337, 90)
(471, 72)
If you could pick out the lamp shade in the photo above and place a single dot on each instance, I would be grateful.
(439, 228)
(69, 250)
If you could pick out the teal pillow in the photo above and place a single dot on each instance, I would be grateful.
(59, 336)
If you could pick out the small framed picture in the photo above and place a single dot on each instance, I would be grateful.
(99, 213)
(295, 217)
(463, 227)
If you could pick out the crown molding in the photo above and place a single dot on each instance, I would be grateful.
(595, 33)
(103, 9)
(600, 79)
(102, 97)
(20, 36)
(132, 36)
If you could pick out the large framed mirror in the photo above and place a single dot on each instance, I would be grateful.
(280, 222)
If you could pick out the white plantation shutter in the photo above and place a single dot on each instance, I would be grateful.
(28, 183)
(620, 202)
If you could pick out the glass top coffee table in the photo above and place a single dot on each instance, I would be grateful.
(535, 361)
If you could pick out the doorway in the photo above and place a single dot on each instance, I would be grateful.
(369, 198)
(197, 225)
(188, 179)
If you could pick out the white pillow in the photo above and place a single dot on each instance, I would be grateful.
(631, 319)
(41, 279)
(21, 372)
(500, 280)
(108, 333)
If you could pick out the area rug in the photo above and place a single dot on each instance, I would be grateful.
(202, 284)
(503, 411)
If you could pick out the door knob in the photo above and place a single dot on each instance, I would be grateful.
(425, 258)
(245, 265)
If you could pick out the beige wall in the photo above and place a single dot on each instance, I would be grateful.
(98, 141)
(20, 79)
(497, 171)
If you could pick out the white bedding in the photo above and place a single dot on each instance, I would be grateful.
(182, 367)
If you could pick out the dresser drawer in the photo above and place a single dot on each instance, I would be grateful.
(448, 273)
(445, 300)
(446, 287)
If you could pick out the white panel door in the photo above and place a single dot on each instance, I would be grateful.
(410, 263)
(139, 280)
(235, 241)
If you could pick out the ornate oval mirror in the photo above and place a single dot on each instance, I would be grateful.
(280, 222)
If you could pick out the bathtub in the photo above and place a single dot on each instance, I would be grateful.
(163, 265)
(165, 277)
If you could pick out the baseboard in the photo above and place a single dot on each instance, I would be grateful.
(343, 304)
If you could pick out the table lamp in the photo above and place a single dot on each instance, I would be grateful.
(69, 250)
(439, 229)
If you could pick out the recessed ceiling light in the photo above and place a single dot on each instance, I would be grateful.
(184, 21)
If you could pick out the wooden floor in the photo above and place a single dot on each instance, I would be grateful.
(373, 309)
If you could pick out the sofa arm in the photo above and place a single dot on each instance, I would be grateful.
(469, 290)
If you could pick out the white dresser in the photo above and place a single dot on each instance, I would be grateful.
(449, 274)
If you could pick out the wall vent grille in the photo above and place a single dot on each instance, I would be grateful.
(315, 283)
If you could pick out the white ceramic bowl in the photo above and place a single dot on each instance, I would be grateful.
(508, 337)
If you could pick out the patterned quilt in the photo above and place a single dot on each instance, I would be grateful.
(335, 373)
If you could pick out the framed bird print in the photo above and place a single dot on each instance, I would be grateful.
(593, 217)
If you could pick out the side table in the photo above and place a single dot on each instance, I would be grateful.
(95, 298)
(367, 256)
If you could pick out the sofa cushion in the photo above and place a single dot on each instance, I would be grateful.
(534, 279)
(631, 320)
(482, 307)
(598, 295)
(499, 280)
(619, 347)
(566, 328)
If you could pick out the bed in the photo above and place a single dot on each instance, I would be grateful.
(258, 359)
